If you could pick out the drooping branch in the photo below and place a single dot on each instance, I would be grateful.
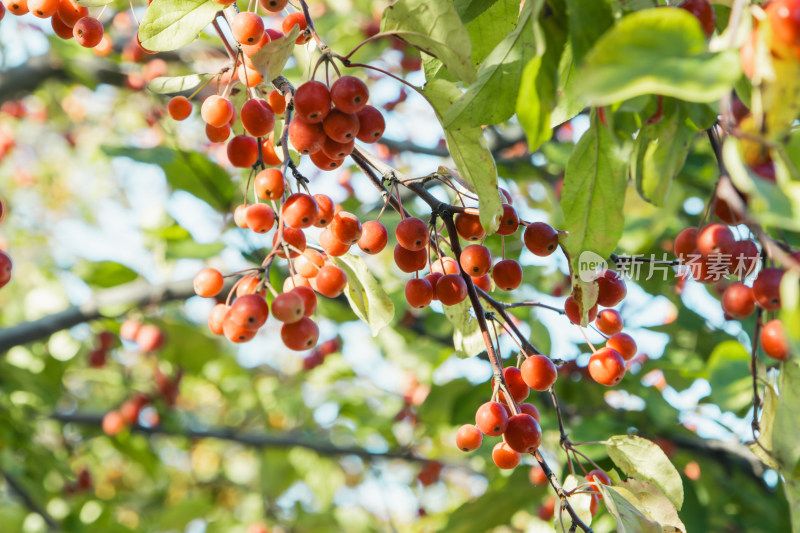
(133, 295)
(257, 440)
(27, 500)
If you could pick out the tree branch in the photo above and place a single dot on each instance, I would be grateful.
(136, 294)
(257, 440)
(17, 488)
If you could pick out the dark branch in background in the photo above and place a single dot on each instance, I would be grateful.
(250, 439)
(136, 294)
(29, 502)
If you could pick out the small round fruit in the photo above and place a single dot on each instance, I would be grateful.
(208, 282)
(419, 293)
(537, 476)
(476, 260)
(217, 317)
(738, 301)
(340, 126)
(312, 101)
(516, 384)
(332, 246)
(113, 423)
(331, 281)
(69, 12)
(150, 338)
(412, 233)
(216, 110)
(504, 457)
(492, 419)
(335, 150)
(469, 227)
(179, 108)
(371, 125)
(218, 135)
(250, 311)
(623, 344)
(88, 32)
(509, 221)
(410, 261)
(259, 218)
(129, 329)
(451, 289)
(293, 237)
(523, 433)
(288, 307)
(349, 94)
(309, 263)
(296, 19)
(300, 335)
(686, 244)
(325, 210)
(607, 367)
(539, 372)
(273, 6)
(744, 258)
(243, 151)
(611, 288)
(597, 476)
(540, 238)
(346, 227)
(43, 8)
(774, 341)
(767, 288)
(306, 137)
(257, 116)
(236, 332)
(571, 310)
(445, 265)
(6, 266)
(609, 321)
(484, 282)
(374, 237)
(269, 184)
(703, 11)
(715, 238)
(309, 299)
(247, 28)
(507, 274)
(299, 210)
(468, 438)
(529, 409)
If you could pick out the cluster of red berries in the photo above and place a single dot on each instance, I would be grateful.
(98, 355)
(127, 414)
(318, 354)
(607, 365)
(6, 266)
(329, 120)
(147, 337)
(521, 432)
(712, 252)
(67, 18)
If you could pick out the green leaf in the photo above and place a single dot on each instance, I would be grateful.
(767, 427)
(660, 151)
(652, 501)
(499, 74)
(646, 461)
(190, 171)
(468, 149)
(580, 502)
(366, 296)
(188, 249)
(176, 84)
(270, 60)
(656, 51)
(769, 203)
(173, 24)
(467, 336)
(629, 518)
(729, 376)
(434, 27)
(491, 27)
(470, 9)
(104, 273)
(594, 193)
(785, 445)
(587, 22)
(533, 116)
(569, 101)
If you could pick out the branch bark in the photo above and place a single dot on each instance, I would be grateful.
(136, 294)
(257, 440)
